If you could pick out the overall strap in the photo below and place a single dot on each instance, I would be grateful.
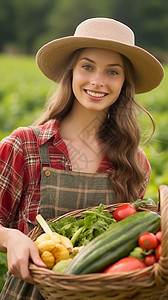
(43, 149)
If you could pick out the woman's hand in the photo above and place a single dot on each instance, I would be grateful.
(20, 250)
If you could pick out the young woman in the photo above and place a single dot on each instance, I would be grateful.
(84, 149)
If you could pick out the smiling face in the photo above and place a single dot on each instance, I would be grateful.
(98, 77)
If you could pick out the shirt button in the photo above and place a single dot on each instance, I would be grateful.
(47, 173)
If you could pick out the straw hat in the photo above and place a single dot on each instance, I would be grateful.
(107, 34)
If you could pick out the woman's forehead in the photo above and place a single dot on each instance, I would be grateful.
(94, 53)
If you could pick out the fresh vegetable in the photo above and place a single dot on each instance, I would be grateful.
(52, 246)
(43, 224)
(137, 252)
(60, 252)
(66, 242)
(82, 231)
(158, 251)
(75, 251)
(124, 211)
(128, 209)
(47, 241)
(159, 236)
(140, 253)
(148, 241)
(48, 258)
(47, 245)
(143, 202)
(114, 244)
(61, 266)
(150, 260)
(125, 264)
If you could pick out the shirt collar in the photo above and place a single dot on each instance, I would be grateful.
(47, 131)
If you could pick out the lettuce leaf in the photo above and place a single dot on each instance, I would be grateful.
(82, 231)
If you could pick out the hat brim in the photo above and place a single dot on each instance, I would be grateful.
(53, 57)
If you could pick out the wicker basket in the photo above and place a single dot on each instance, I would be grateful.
(153, 284)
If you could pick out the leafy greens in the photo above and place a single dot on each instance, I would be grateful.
(82, 231)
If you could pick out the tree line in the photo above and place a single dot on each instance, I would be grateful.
(27, 25)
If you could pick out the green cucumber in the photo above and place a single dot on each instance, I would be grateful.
(115, 243)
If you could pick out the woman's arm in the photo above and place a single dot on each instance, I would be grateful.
(20, 248)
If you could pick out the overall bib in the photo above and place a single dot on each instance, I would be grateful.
(61, 191)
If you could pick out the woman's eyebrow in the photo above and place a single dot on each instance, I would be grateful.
(110, 65)
(115, 65)
(88, 59)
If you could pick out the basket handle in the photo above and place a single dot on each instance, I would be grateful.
(163, 198)
(161, 269)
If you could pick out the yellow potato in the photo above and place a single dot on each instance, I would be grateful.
(55, 237)
(47, 245)
(48, 258)
(42, 237)
(66, 242)
(60, 252)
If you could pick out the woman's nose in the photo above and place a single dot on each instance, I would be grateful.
(97, 80)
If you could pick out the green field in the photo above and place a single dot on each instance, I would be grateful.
(23, 91)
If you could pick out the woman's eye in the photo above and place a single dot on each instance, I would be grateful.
(113, 72)
(87, 67)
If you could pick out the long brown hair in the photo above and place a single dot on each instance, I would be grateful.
(120, 132)
(61, 101)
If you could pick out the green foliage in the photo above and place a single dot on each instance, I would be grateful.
(27, 25)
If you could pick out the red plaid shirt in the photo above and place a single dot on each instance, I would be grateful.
(20, 172)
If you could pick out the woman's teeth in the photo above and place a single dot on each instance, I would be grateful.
(96, 94)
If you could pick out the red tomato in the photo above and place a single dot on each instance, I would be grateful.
(148, 241)
(159, 236)
(124, 211)
(158, 251)
(125, 264)
(150, 260)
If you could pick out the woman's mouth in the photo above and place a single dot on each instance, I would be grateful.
(95, 94)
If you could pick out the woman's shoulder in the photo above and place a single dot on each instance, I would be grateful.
(29, 134)
(20, 142)
(17, 145)
(20, 134)
(143, 160)
(141, 153)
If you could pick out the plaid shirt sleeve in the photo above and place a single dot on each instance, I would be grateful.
(11, 183)
(18, 163)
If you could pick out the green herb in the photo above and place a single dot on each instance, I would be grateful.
(82, 231)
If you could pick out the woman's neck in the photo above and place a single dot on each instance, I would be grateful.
(82, 123)
(79, 130)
